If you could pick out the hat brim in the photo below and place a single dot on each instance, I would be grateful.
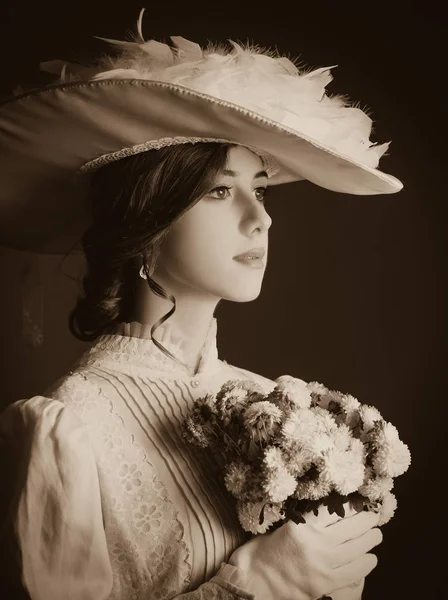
(47, 135)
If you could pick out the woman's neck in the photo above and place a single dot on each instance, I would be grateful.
(190, 322)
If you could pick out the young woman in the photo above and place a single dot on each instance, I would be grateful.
(107, 500)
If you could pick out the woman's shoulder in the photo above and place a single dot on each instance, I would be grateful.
(60, 405)
(40, 422)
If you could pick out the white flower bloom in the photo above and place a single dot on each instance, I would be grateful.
(236, 394)
(369, 414)
(249, 516)
(341, 437)
(194, 433)
(317, 388)
(312, 490)
(329, 400)
(392, 458)
(344, 469)
(229, 386)
(388, 508)
(305, 426)
(236, 477)
(279, 485)
(387, 433)
(300, 427)
(349, 403)
(295, 389)
(231, 402)
(273, 458)
(358, 448)
(321, 442)
(262, 419)
(326, 420)
(298, 459)
(349, 411)
(376, 488)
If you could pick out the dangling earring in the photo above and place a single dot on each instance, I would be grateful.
(142, 272)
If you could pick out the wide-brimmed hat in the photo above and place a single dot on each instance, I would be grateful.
(151, 95)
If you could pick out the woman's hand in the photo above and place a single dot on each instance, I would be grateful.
(312, 559)
(351, 592)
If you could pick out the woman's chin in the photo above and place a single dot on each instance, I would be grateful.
(244, 294)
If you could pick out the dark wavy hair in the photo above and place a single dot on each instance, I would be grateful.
(134, 203)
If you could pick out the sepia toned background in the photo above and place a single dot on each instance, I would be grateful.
(354, 292)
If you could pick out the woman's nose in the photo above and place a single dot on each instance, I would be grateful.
(260, 217)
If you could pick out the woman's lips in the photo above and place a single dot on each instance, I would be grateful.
(255, 263)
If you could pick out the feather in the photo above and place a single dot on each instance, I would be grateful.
(122, 44)
(161, 53)
(188, 51)
(248, 75)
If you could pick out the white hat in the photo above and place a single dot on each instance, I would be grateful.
(152, 95)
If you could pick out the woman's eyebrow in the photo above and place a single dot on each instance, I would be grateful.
(234, 173)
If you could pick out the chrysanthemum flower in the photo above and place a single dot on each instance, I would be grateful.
(195, 433)
(316, 388)
(344, 469)
(231, 403)
(376, 488)
(262, 420)
(383, 433)
(327, 423)
(281, 400)
(321, 442)
(301, 427)
(391, 459)
(298, 459)
(341, 437)
(236, 477)
(369, 415)
(249, 515)
(330, 400)
(273, 459)
(358, 449)
(349, 403)
(295, 390)
(349, 413)
(228, 386)
(279, 484)
(312, 490)
(388, 507)
(204, 409)
(311, 428)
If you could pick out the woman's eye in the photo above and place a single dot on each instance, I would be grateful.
(263, 190)
(222, 187)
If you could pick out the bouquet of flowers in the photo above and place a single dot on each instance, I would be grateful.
(300, 446)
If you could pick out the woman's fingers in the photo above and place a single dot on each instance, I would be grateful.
(352, 527)
(352, 549)
(354, 571)
(323, 518)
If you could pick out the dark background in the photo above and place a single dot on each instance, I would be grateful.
(354, 293)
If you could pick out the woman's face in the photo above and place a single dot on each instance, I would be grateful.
(198, 254)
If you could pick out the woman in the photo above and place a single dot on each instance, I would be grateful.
(108, 499)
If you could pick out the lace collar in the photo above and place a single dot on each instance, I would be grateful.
(131, 349)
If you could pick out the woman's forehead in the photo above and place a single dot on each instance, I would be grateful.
(241, 160)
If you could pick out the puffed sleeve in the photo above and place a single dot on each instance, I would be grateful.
(51, 504)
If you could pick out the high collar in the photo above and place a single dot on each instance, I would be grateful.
(131, 348)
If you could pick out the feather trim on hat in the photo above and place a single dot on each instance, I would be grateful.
(250, 76)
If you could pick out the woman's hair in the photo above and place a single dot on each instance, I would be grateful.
(134, 203)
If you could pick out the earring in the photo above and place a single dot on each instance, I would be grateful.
(142, 272)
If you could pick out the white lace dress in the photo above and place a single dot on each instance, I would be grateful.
(109, 502)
